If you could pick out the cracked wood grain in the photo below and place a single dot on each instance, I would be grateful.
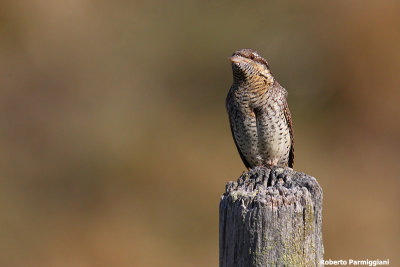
(271, 217)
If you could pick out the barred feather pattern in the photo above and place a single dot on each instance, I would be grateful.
(259, 116)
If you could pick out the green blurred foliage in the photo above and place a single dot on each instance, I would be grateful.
(115, 141)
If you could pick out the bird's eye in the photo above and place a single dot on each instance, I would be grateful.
(251, 56)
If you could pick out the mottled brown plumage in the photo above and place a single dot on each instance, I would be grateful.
(259, 115)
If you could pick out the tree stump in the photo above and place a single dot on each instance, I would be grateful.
(271, 217)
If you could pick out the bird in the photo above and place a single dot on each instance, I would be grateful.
(258, 112)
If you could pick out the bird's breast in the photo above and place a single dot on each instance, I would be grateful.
(273, 132)
(259, 127)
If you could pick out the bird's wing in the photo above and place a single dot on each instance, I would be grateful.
(230, 111)
(240, 152)
(288, 118)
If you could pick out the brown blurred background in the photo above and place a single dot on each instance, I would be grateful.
(115, 143)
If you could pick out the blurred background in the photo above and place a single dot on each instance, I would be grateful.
(115, 142)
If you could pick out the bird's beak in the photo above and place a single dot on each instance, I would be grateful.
(234, 59)
(237, 59)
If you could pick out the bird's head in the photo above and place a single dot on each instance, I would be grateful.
(249, 66)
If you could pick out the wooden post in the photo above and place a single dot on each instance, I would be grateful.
(271, 217)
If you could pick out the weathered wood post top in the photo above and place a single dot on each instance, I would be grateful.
(271, 217)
